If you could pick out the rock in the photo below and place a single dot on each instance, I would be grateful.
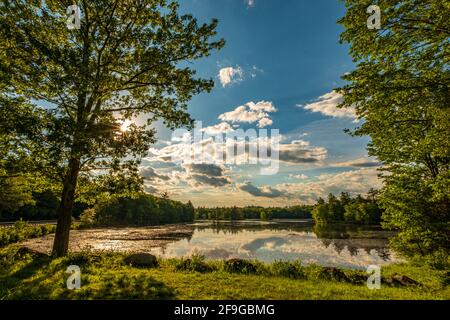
(142, 260)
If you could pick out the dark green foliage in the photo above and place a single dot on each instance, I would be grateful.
(140, 210)
(358, 210)
(194, 264)
(22, 231)
(332, 274)
(235, 213)
(293, 270)
(401, 88)
(445, 279)
(356, 276)
(42, 206)
(240, 266)
(82, 258)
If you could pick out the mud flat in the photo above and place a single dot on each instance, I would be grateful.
(116, 239)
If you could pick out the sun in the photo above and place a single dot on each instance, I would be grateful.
(125, 126)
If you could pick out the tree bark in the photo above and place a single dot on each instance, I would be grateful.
(61, 242)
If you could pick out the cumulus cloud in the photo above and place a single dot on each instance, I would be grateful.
(148, 173)
(223, 127)
(298, 176)
(300, 151)
(150, 189)
(250, 3)
(211, 181)
(251, 113)
(205, 168)
(355, 182)
(206, 174)
(266, 191)
(230, 75)
(239, 151)
(327, 105)
(358, 163)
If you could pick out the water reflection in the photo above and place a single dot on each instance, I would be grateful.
(343, 245)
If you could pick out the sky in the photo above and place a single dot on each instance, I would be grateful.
(277, 71)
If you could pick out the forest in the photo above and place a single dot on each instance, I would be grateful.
(356, 210)
(262, 213)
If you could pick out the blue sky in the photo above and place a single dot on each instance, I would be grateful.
(283, 56)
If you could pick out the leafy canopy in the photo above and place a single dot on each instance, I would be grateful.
(401, 88)
(127, 59)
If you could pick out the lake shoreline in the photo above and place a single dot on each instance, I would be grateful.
(267, 241)
(106, 276)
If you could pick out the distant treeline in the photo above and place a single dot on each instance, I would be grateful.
(359, 209)
(121, 210)
(40, 205)
(235, 213)
(140, 210)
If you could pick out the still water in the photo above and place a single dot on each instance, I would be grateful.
(332, 245)
(335, 245)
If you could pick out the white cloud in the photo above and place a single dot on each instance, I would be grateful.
(300, 151)
(298, 176)
(264, 122)
(327, 105)
(255, 70)
(355, 182)
(358, 163)
(250, 3)
(250, 113)
(230, 75)
(265, 191)
(223, 127)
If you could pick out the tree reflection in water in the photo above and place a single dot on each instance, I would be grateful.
(339, 237)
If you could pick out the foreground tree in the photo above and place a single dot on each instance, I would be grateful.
(126, 59)
(401, 87)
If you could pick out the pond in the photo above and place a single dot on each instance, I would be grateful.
(332, 245)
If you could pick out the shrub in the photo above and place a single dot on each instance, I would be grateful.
(195, 264)
(293, 270)
(88, 217)
(21, 230)
(240, 266)
(330, 273)
(356, 276)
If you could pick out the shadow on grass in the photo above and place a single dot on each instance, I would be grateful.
(45, 278)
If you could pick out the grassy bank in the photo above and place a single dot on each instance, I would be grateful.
(21, 230)
(25, 275)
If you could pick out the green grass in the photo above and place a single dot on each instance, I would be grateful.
(105, 276)
(21, 230)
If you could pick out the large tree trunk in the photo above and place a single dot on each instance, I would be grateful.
(61, 243)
